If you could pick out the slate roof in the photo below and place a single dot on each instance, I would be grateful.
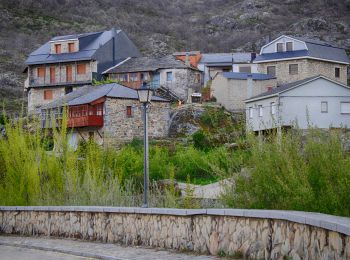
(244, 76)
(283, 88)
(88, 94)
(225, 58)
(315, 49)
(148, 64)
(89, 43)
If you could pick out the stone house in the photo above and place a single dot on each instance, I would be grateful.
(294, 58)
(109, 114)
(230, 89)
(67, 62)
(213, 63)
(172, 78)
(316, 101)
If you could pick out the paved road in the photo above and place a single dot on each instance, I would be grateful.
(33, 248)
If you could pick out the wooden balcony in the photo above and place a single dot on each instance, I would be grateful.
(91, 120)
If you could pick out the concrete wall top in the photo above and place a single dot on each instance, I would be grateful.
(329, 222)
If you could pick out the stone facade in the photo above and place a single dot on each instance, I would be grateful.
(231, 93)
(36, 97)
(120, 128)
(253, 234)
(306, 68)
(64, 45)
(184, 82)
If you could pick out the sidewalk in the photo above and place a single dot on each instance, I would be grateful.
(41, 247)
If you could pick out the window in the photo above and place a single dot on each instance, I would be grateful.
(57, 48)
(345, 107)
(337, 72)
(271, 70)
(293, 69)
(273, 108)
(68, 90)
(129, 111)
(133, 77)
(123, 77)
(71, 47)
(250, 112)
(81, 68)
(260, 110)
(52, 75)
(324, 107)
(289, 46)
(47, 94)
(69, 76)
(144, 76)
(197, 78)
(279, 47)
(169, 76)
(246, 69)
(41, 72)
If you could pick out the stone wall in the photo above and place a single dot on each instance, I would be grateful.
(183, 84)
(255, 234)
(306, 68)
(120, 128)
(36, 97)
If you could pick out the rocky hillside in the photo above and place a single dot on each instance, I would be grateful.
(160, 27)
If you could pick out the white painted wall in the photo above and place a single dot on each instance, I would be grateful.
(302, 107)
(254, 67)
(271, 47)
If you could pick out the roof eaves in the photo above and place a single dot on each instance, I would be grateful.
(115, 66)
(301, 57)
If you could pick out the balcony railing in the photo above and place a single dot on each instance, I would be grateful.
(90, 120)
(41, 82)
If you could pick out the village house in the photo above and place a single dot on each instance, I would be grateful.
(67, 62)
(294, 58)
(316, 101)
(109, 114)
(230, 89)
(172, 78)
(190, 58)
(212, 63)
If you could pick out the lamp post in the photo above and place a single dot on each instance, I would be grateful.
(145, 96)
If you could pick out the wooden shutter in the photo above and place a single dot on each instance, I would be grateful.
(57, 48)
(52, 75)
(129, 111)
(69, 77)
(48, 94)
(71, 47)
(41, 72)
(81, 68)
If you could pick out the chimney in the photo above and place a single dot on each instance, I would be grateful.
(252, 56)
(249, 86)
(187, 59)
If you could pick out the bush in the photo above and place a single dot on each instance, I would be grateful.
(295, 172)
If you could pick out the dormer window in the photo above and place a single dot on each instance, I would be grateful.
(71, 47)
(279, 47)
(289, 46)
(57, 48)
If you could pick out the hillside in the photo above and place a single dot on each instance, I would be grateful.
(160, 27)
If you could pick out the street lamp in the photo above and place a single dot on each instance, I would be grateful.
(145, 95)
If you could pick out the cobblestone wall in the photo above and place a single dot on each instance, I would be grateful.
(256, 234)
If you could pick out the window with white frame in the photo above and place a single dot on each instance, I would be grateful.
(273, 108)
(169, 76)
(324, 107)
(260, 108)
(293, 69)
(289, 46)
(250, 112)
(345, 107)
(279, 47)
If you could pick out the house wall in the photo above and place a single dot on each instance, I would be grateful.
(60, 73)
(254, 67)
(271, 47)
(64, 46)
(183, 83)
(119, 128)
(306, 68)
(231, 93)
(36, 97)
(302, 107)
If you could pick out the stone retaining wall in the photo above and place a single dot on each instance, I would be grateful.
(257, 234)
